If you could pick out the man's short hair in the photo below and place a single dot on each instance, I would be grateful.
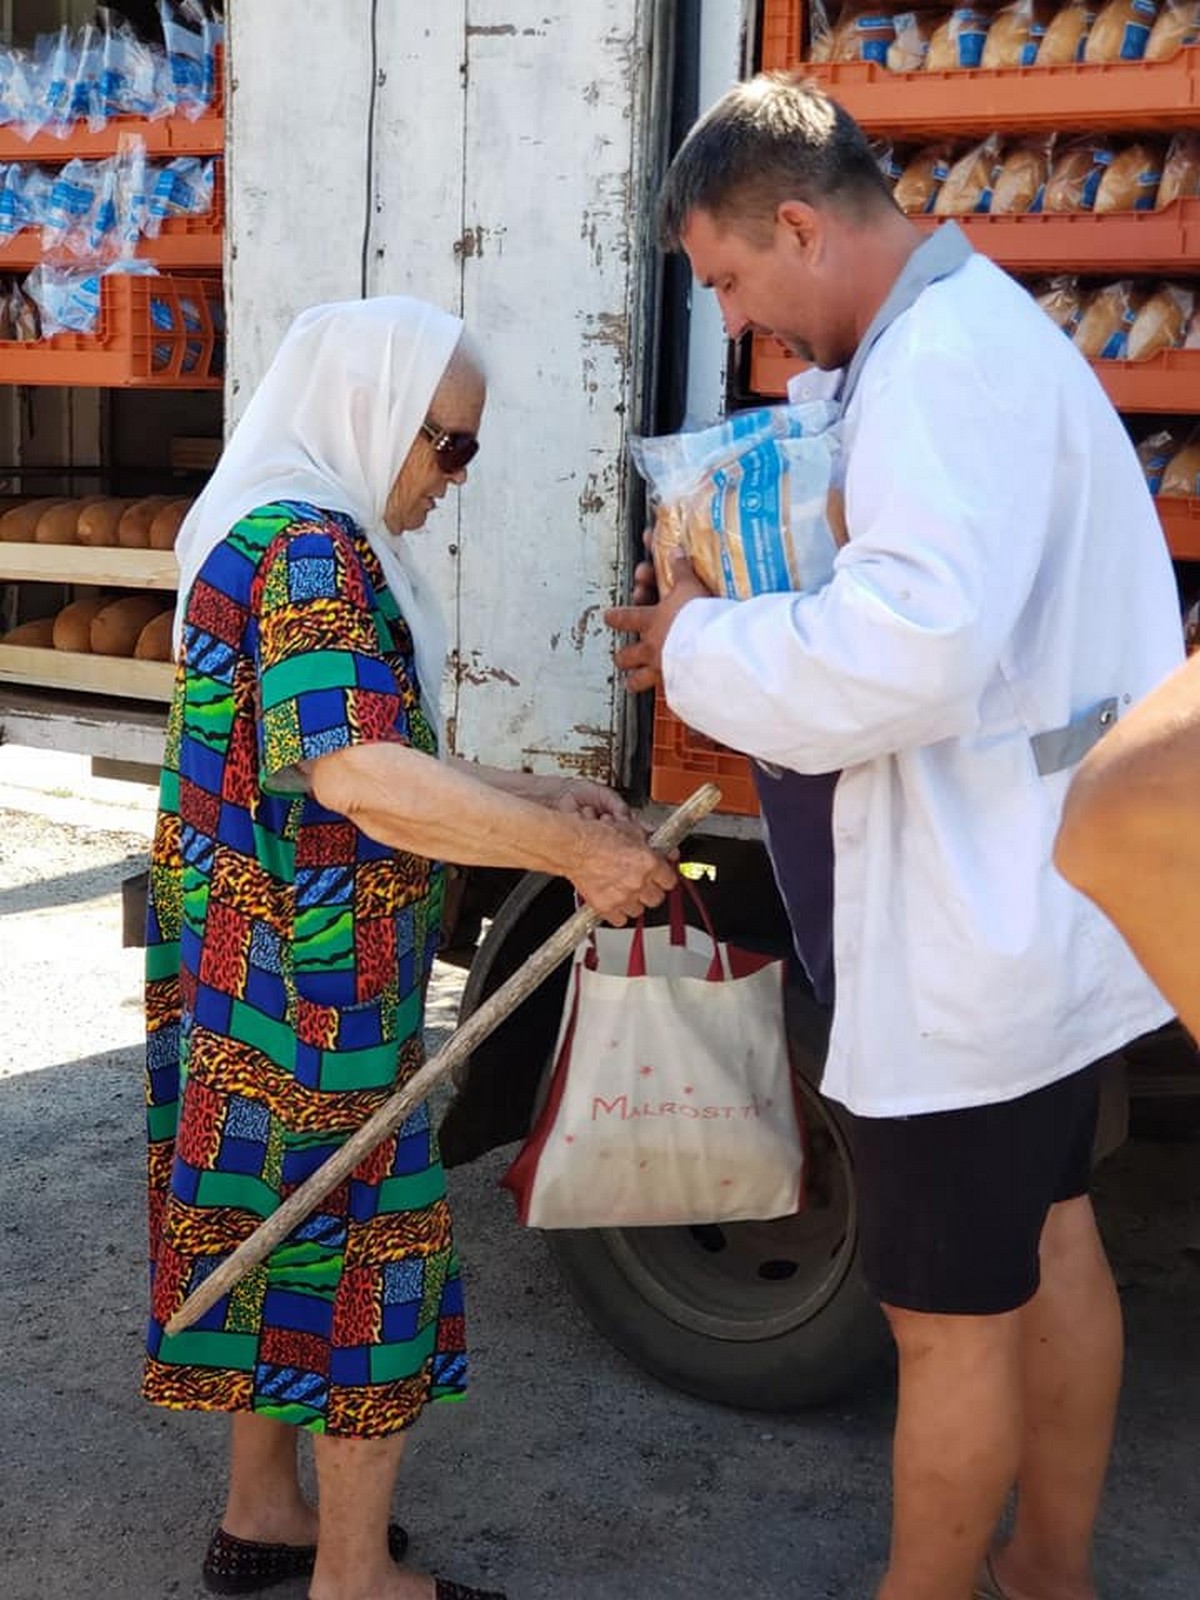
(770, 139)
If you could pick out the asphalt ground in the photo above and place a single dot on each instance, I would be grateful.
(567, 1475)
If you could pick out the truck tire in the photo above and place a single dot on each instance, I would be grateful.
(766, 1316)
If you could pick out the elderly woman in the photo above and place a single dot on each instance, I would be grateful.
(295, 906)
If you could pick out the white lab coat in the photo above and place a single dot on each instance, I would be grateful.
(1006, 572)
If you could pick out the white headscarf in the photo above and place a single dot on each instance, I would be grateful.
(331, 424)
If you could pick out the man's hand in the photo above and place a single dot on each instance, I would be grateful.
(641, 662)
(582, 798)
(616, 873)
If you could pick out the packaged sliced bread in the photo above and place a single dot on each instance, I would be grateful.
(1066, 35)
(1154, 454)
(1161, 322)
(1131, 180)
(73, 624)
(117, 627)
(1076, 172)
(914, 30)
(1180, 179)
(959, 41)
(1063, 300)
(39, 632)
(1108, 317)
(968, 185)
(98, 523)
(864, 34)
(1181, 476)
(917, 187)
(1178, 24)
(1121, 31)
(19, 525)
(1013, 38)
(1021, 181)
(154, 641)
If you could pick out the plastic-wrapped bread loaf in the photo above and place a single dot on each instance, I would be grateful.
(1180, 179)
(133, 530)
(1154, 453)
(968, 185)
(1021, 181)
(1181, 476)
(73, 624)
(1131, 180)
(164, 530)
(1066, 35)
(1178, 24)
(959, 42)
(116, 629)
(914, 30)
(155, 639)
(1121, 31)
(1013, 38)
(917, 187)
(1103, 331)
(1161, 322)
(1075, 174)
(1063, 301)
(863, 35)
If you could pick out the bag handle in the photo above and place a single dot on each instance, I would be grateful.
(718, 968)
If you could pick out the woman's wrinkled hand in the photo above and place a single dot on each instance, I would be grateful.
(582, 798)
(616, 873)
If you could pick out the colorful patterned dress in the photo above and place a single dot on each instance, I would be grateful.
(286, 968)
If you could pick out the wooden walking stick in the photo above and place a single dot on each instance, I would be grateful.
(400, 1105)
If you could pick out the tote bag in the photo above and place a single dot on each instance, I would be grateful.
(671, 1099)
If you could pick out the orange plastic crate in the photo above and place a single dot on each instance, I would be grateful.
(187, 242)
(1181, 524)
(781, 34)
(771, 366)
(1167, 382)
(1118, 242)
(128, 351)
(1114, 97)
(682, 758)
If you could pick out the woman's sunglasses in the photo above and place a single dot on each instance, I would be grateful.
(453, 450)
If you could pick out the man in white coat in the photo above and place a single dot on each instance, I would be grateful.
(1004, 595)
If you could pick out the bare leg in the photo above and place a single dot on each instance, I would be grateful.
(1128, 837)
(355, 1480)
(956, 1448)
(1071, 1358)
(265, 1501)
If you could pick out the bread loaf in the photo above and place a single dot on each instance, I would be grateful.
(1121, 31)
(133, 530)
(1103, 331)
(1178, 24)
(686, 528)
(1180, 179)
(863, 35)
(73, 624)
(98, 523)
(1066, 35)
(1062, 300)
(959, 41)
(1181, 476)
(1154, 454)
(19, 525)
(155, 639)
(1130, 182)
(1076, 173)
(39, 633)
(1160, 323)
(1013, 37)
(917, 188)
(968, 185)
(164, 530)
(1021, 180)
(116, 628)
(914, 30)
(57, 524)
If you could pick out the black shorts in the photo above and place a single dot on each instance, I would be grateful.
(951, 1203)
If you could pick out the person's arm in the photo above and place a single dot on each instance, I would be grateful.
(577, 795)
(947, 502)
(1130, 835)
(415, 803)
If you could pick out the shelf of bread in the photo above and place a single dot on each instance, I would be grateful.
(1181, 524)
(41, 666)
(106, 569)
(1122, 242)
(1111, 97)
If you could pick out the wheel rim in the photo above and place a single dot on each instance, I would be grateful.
(749, 1281)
